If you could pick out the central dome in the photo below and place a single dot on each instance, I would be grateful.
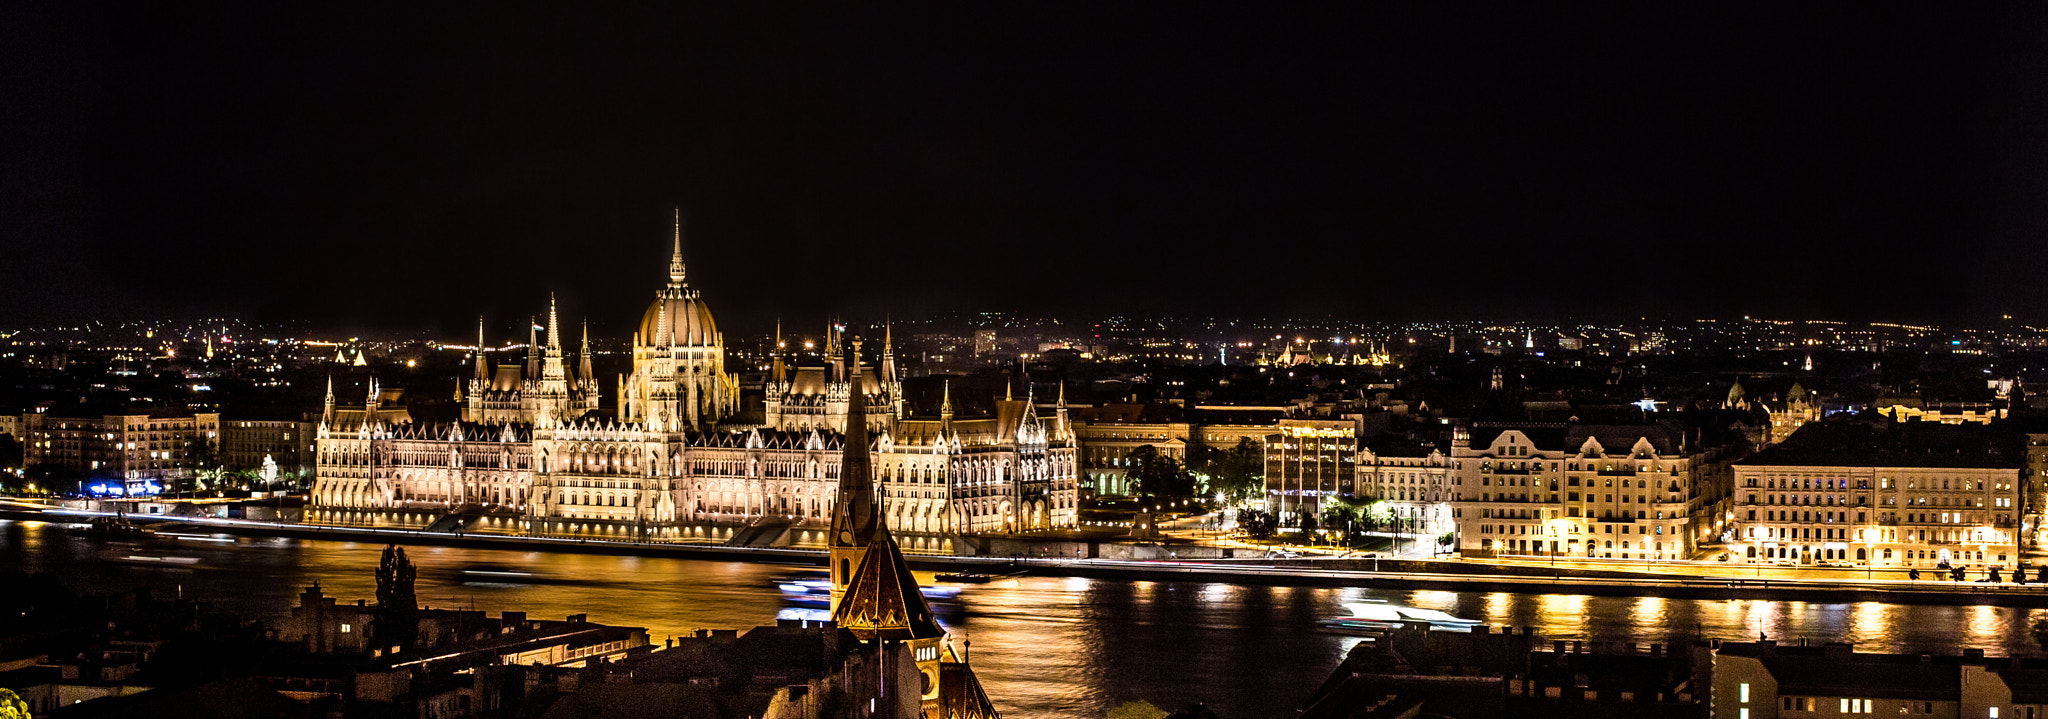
(690, 323)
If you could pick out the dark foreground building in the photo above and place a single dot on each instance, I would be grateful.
(1421, 673)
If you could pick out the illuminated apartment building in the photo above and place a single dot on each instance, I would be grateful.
(1582, 491)
(130, 448)
(1882, 494)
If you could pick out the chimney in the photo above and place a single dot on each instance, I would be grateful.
(1973, 654)
(1557, 645)
(1578, 646)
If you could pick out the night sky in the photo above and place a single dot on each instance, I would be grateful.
(402, 169)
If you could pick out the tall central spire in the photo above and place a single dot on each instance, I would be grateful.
(675, 260)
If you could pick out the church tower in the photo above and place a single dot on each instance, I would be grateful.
(854, 514)
(877, 600)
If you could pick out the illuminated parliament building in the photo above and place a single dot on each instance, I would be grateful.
(532, 443)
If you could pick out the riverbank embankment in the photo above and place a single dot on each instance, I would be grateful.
(1387, 574)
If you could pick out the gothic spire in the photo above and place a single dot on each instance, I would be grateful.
(584, 356)
(482, 374)
(946, 399)
(554, 325)
(532, 348)
(675, 259)
(776, 375)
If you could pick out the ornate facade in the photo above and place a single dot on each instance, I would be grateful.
(533, 443)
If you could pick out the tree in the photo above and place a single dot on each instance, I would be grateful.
(12, 706)
(204, 458)
(1238, 473)
(397, 605)
(1158, 477)
(1140, 709)
(1258, 524)
(1308, 523)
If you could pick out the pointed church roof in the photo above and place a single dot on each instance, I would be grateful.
(883, 601)
(960, 695)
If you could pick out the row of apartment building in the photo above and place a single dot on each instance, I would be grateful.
(144, 447)
(1869, 492)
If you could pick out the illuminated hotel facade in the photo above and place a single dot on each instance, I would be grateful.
(1916, 495)
(1308, 464)
(532, 445)
(1585, 491)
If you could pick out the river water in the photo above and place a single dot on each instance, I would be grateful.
(1043, 646)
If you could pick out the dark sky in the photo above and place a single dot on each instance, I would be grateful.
(402, 168)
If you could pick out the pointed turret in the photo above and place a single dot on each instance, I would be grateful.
(532, 349)
(776, 373)
(583, 372)
(327, 411)
(554, 324)
(888, 354)
(483, 374)
(854, 515)
(1066, 432)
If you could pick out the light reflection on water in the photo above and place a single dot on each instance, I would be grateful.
(1044, 646)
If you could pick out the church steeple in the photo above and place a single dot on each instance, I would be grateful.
(854, 515)
(483, 376)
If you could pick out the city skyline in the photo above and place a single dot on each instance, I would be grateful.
(1664, 163)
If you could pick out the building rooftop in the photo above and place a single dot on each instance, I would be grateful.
(1857, 443)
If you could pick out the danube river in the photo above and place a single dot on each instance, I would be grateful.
(1044, 646)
